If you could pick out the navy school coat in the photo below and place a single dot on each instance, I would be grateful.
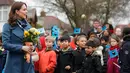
(12, 38)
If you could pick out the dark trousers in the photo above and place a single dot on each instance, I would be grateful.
(36, 72)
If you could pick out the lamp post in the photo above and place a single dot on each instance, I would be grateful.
(83, 16)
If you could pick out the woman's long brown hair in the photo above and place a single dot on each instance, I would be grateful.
(12, 14)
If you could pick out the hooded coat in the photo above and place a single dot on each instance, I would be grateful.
(124, 55)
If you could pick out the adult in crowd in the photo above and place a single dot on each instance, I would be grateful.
(124, 53)
(12, 38)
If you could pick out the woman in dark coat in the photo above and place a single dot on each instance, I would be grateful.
(12, 38)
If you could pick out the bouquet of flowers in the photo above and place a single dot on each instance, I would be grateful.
(30, 38)
(31, 35)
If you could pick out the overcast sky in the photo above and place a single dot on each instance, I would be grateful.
(39, 8)
(61, 16)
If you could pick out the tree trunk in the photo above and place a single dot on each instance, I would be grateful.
(107, 11)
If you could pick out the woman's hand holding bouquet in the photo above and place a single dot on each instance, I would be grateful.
(30, 39)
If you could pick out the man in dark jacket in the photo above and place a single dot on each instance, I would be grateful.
(124, 53)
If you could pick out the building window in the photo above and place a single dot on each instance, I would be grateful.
(3, 13)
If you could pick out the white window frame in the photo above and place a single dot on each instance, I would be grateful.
(2, 12)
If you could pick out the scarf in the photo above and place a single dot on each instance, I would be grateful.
(22, 22)
(114, 47)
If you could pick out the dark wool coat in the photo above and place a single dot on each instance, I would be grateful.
(124, 55)
(91, 64)
(64, 59)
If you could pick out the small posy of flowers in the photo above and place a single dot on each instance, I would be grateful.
(31, 35)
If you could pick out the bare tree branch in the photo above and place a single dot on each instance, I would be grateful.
(102, 9)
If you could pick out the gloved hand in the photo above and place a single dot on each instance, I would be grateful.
(26, 49)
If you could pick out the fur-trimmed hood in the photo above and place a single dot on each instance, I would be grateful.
(98, 52)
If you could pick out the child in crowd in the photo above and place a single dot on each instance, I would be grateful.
(99, 31)
(112, 64)
(58, 46)
(109, 27)
(39, 48)
(106, 46)
(72, 43)
(104, 41)
(79, 53)
(92, 35)
(47, 58)
(118, 32)
(99, 49)
(106, 33)
(3, 54)
(91, 62)
(65, 57)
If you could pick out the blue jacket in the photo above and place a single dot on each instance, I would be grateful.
(12, 38)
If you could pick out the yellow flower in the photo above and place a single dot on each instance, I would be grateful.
(26, 33)
(25, 36)
(35, 33)
(31, 35)
(38, 33)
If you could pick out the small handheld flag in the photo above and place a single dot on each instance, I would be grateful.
(113, 53)
(41, 30)
(104, 28)
(77, 30)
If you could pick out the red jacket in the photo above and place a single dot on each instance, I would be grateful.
(72, 45)
(42, 42)
(47, 61)
(111, 67)
(36, 64)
